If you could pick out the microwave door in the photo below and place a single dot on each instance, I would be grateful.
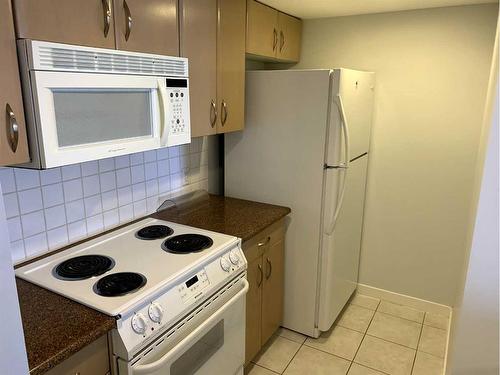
(84, 116)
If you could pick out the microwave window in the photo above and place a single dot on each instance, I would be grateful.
(91, 116)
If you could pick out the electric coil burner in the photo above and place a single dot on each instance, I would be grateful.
(187, 243)
(83, 267)
(154, 232)
(119, 284)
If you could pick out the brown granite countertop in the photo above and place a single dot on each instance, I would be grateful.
(55, 327)
(236, 217)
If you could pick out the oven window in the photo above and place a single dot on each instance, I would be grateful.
(90, 116)
(200, 352)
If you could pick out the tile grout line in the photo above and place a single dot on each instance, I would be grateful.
(363, 339)
(300, 347)
(418, 344)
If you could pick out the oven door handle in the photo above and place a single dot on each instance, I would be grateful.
(184, 343)
(164, 105)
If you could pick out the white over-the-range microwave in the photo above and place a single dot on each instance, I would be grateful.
(85, 103)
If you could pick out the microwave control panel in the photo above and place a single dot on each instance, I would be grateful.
(178, 97)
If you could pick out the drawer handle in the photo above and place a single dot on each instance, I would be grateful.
(213, 114)
(268, 274)
(275, 39)
(128, 17)
(261, 278)
(260, 244)
(12, 128)
(106, 7)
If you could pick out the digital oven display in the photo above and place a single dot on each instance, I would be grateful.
(173, 82)
(192, 281)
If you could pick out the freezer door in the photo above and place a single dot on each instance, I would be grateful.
(356, 89)
(340, 250)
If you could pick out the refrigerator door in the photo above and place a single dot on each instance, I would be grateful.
(340, 250)
(278, 159)
(356, 89)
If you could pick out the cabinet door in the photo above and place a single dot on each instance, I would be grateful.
(272, 293)
(290, 34)
(262, 29)
(88, 23)
(13, 141)
(198, 34)
(147, 26)
(255, 276)
(231, 65)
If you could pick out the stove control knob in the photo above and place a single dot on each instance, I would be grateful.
(155, 312)
(139, 324)
(225, 265)
(234, 257)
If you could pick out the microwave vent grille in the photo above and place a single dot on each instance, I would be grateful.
(98, 60)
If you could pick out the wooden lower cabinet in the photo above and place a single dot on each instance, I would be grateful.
(264, 303)
(91, 360)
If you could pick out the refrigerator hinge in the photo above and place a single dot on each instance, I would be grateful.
(341, 166)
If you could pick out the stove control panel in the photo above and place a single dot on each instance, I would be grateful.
(192, 288)
(163, 309)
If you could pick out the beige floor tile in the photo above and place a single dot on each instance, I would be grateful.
(253, 369)
(401, 311)
(426, 364)
(362, 370)
(365, 301)
(436, 321)
(392, 328)
(385, 356)
(356, 318)
(433, 341)
(312, 361)
(277, 354)
(340, 341)
(292, 335)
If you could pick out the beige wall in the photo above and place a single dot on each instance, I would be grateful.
(432, 72)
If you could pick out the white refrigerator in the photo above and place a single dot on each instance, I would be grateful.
(306, 145)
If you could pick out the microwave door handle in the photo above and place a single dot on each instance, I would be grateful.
(162, 91)
(184, 343)
(343, 168)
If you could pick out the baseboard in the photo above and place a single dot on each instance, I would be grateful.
(402, 299)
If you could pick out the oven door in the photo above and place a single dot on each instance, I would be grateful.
(212, 342)
(89, 116)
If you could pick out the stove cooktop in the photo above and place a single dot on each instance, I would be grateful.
(115, 272)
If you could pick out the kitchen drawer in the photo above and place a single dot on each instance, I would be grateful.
(91, 360)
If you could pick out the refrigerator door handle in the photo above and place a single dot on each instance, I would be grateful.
(343, 166)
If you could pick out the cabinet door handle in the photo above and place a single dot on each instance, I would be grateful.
(213, 113)
(223, 110)
(128, 19)
(268, 274)
(106, 9)
(260, 244)
(275, 39)
(12, 128)
(261, 277)
(282, 40)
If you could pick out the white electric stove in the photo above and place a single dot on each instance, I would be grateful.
(177, 292)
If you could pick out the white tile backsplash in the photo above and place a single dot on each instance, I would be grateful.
(52, 208)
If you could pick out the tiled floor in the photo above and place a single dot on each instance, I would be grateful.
(371, 337)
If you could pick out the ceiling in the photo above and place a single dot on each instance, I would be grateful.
(335, 8)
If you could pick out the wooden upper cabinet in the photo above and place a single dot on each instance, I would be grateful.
(231, 65)
(198, 36)
(147, 26)
(262, 29)
(13, 140)
(289, 37)
(88, 23)
(271, 34)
